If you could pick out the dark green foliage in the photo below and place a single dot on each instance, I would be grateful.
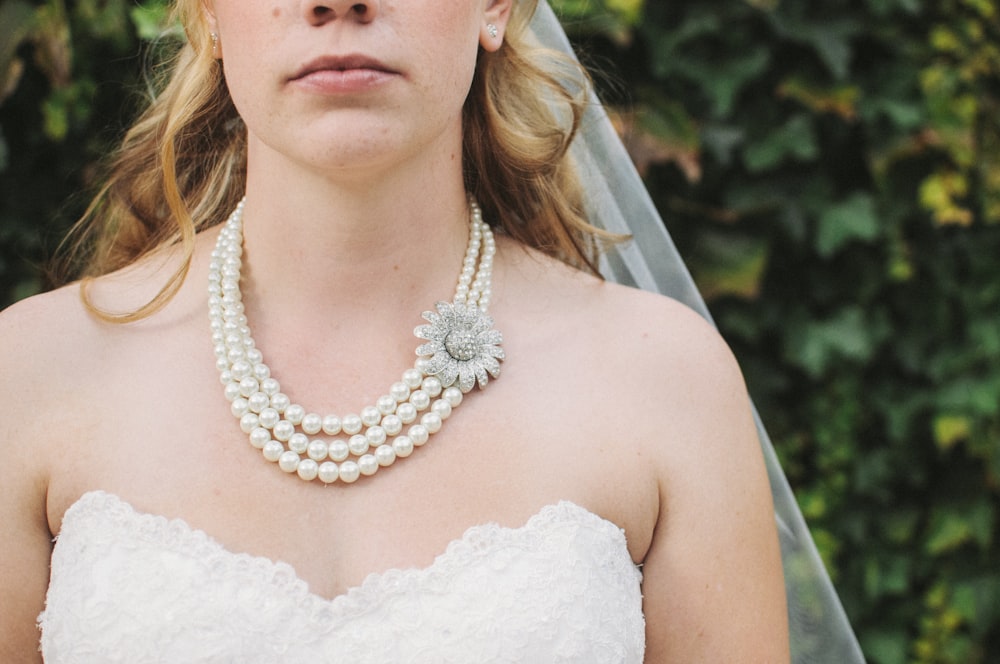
(831, 171)
(71, 77)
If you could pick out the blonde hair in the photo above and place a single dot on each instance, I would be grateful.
(181, 168)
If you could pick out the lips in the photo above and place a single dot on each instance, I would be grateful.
(342, 63)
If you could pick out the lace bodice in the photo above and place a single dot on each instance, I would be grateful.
(133, 587)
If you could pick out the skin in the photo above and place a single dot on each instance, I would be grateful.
(339, 223)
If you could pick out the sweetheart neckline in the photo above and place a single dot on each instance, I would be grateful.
(375, 585)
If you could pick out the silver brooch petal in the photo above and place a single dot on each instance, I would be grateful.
(461, 345)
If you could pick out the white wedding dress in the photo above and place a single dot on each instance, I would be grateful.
(133, 587)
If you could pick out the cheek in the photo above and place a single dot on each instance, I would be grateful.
(450, 45)
(248, 71)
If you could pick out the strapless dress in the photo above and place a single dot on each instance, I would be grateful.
(132, 587)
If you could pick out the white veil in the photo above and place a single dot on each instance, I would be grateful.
(616, 199)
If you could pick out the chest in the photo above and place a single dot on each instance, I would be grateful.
(162, 435)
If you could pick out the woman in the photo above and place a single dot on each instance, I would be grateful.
(618, 437)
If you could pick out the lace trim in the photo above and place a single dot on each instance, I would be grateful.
(478, 542)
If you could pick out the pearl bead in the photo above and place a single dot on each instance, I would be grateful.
(403, 446)
(272, 450)
(239, 407)
(331, 425)
(432, 421)
(349, 472)
(358, 444)
(249, 422)
(453, 395)
(225, 377)
(418, 434)
(249, 385)
(294, 413)
(375, 436)
(441, 408)
(270, 387)
(288, 461)
(241, 369)
(368, 465)
(232, 391)
(260, 437)
(283, 430)
(432, 386)
(386, 405)
(407, 412)
(269, 417)
(421, 366)
(259, 401)
(312, 424)
(328, 472)
(221, 363)
(392, 424)
(351, 424)
(298, 443)
(399, 391)
(280, 402)
(339, 450)
(318, 450)
(412, 378)
(308, 469)
(420, 400)
(370, 416)
(385, 455)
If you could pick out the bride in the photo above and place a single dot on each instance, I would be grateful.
(566, 470)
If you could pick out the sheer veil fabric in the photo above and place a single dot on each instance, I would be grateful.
(616, 200)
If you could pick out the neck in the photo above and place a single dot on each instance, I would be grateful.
(348, 241)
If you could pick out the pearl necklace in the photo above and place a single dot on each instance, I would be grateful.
(461, 350)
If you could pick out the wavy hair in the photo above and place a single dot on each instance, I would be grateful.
(181, 167)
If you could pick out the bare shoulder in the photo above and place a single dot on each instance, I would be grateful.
(663, 343)
(38, 336)
(48, 341)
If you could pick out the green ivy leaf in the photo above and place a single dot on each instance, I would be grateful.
(848, 334)
(795, 139)
(728, 264)
(952, 527)
(852, 219)
(885, 646)
(950, 430)
(947, 532)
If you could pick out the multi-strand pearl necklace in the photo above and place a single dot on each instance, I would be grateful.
(462, 350)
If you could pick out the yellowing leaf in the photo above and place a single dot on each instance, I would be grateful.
(949, 430)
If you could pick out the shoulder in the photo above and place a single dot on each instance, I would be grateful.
(658, 368)
(50, 351)
(40, 331)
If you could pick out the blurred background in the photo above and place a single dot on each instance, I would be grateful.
(831, 173)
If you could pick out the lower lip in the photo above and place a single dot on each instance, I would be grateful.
(331, 81)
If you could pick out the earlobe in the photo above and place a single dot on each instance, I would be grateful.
(212, 27)
(494, 24)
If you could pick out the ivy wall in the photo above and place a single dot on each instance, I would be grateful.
(831, 172)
